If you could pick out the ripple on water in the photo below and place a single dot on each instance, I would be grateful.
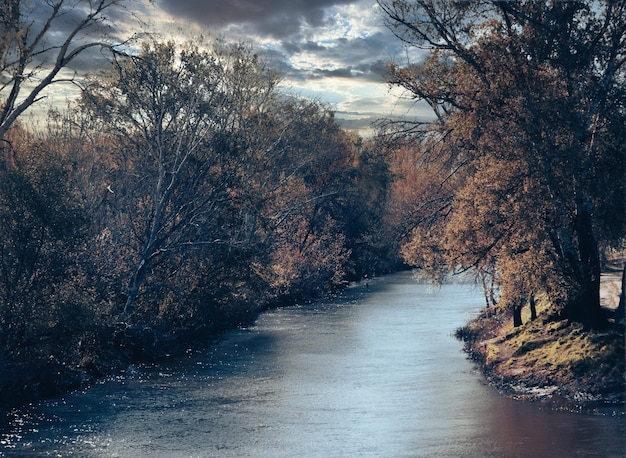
(377, 373)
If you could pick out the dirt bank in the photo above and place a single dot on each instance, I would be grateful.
(548, 360)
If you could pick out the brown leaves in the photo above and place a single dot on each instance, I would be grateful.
(517, 103)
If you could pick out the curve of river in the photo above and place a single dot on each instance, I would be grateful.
(375, 373)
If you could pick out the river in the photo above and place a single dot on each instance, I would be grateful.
(374, 373)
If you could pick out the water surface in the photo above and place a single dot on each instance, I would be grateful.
(375, 373)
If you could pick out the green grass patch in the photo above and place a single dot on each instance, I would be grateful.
(549, 352)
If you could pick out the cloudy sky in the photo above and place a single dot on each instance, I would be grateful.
(332, 50)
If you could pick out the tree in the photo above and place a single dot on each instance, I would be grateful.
(44, 305)
(205, 183)
(32, 57)
(371, 241)
(529, 103)
(178, 118)
(301, 189)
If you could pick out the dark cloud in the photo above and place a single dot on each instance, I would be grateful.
(112, 25)
(276, 18)
(290, 22)
(370, 72)
(360, 58)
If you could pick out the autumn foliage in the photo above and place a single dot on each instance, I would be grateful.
(527, 145)
(185, 192)
(181, 195)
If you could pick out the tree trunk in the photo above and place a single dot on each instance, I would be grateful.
(533, 308)
(517, 313)
(619, 313)
(133, 287)
(584, 307)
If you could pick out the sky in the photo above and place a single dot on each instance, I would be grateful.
(335, 51)
(332, 50)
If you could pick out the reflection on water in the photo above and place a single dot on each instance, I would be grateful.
(376, 373)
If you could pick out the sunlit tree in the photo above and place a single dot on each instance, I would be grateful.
(311, 170)
(529, 104)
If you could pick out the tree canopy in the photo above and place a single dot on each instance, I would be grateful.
(529, 132)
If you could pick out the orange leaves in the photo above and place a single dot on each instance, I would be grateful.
(518, 102)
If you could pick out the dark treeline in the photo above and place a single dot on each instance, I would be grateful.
(181, 195)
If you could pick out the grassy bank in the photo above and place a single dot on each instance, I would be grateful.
(549, 359)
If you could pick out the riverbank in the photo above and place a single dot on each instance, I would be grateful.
(549, 360)
(116, 348)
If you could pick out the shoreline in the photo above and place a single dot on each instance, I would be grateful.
(550, 361)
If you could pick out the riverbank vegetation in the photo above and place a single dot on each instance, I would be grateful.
(180, 196)
(550, 360)
(184, 192)
(527, 144)
(527, 176)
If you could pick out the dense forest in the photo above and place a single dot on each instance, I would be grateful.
(181, 195)
(184, 192)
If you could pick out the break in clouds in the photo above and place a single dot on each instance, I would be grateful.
(335, 50)
(319, 39)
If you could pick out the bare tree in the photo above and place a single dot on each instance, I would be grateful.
(32, 56)
(178, 117)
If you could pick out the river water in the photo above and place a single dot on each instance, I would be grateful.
(374, 373)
